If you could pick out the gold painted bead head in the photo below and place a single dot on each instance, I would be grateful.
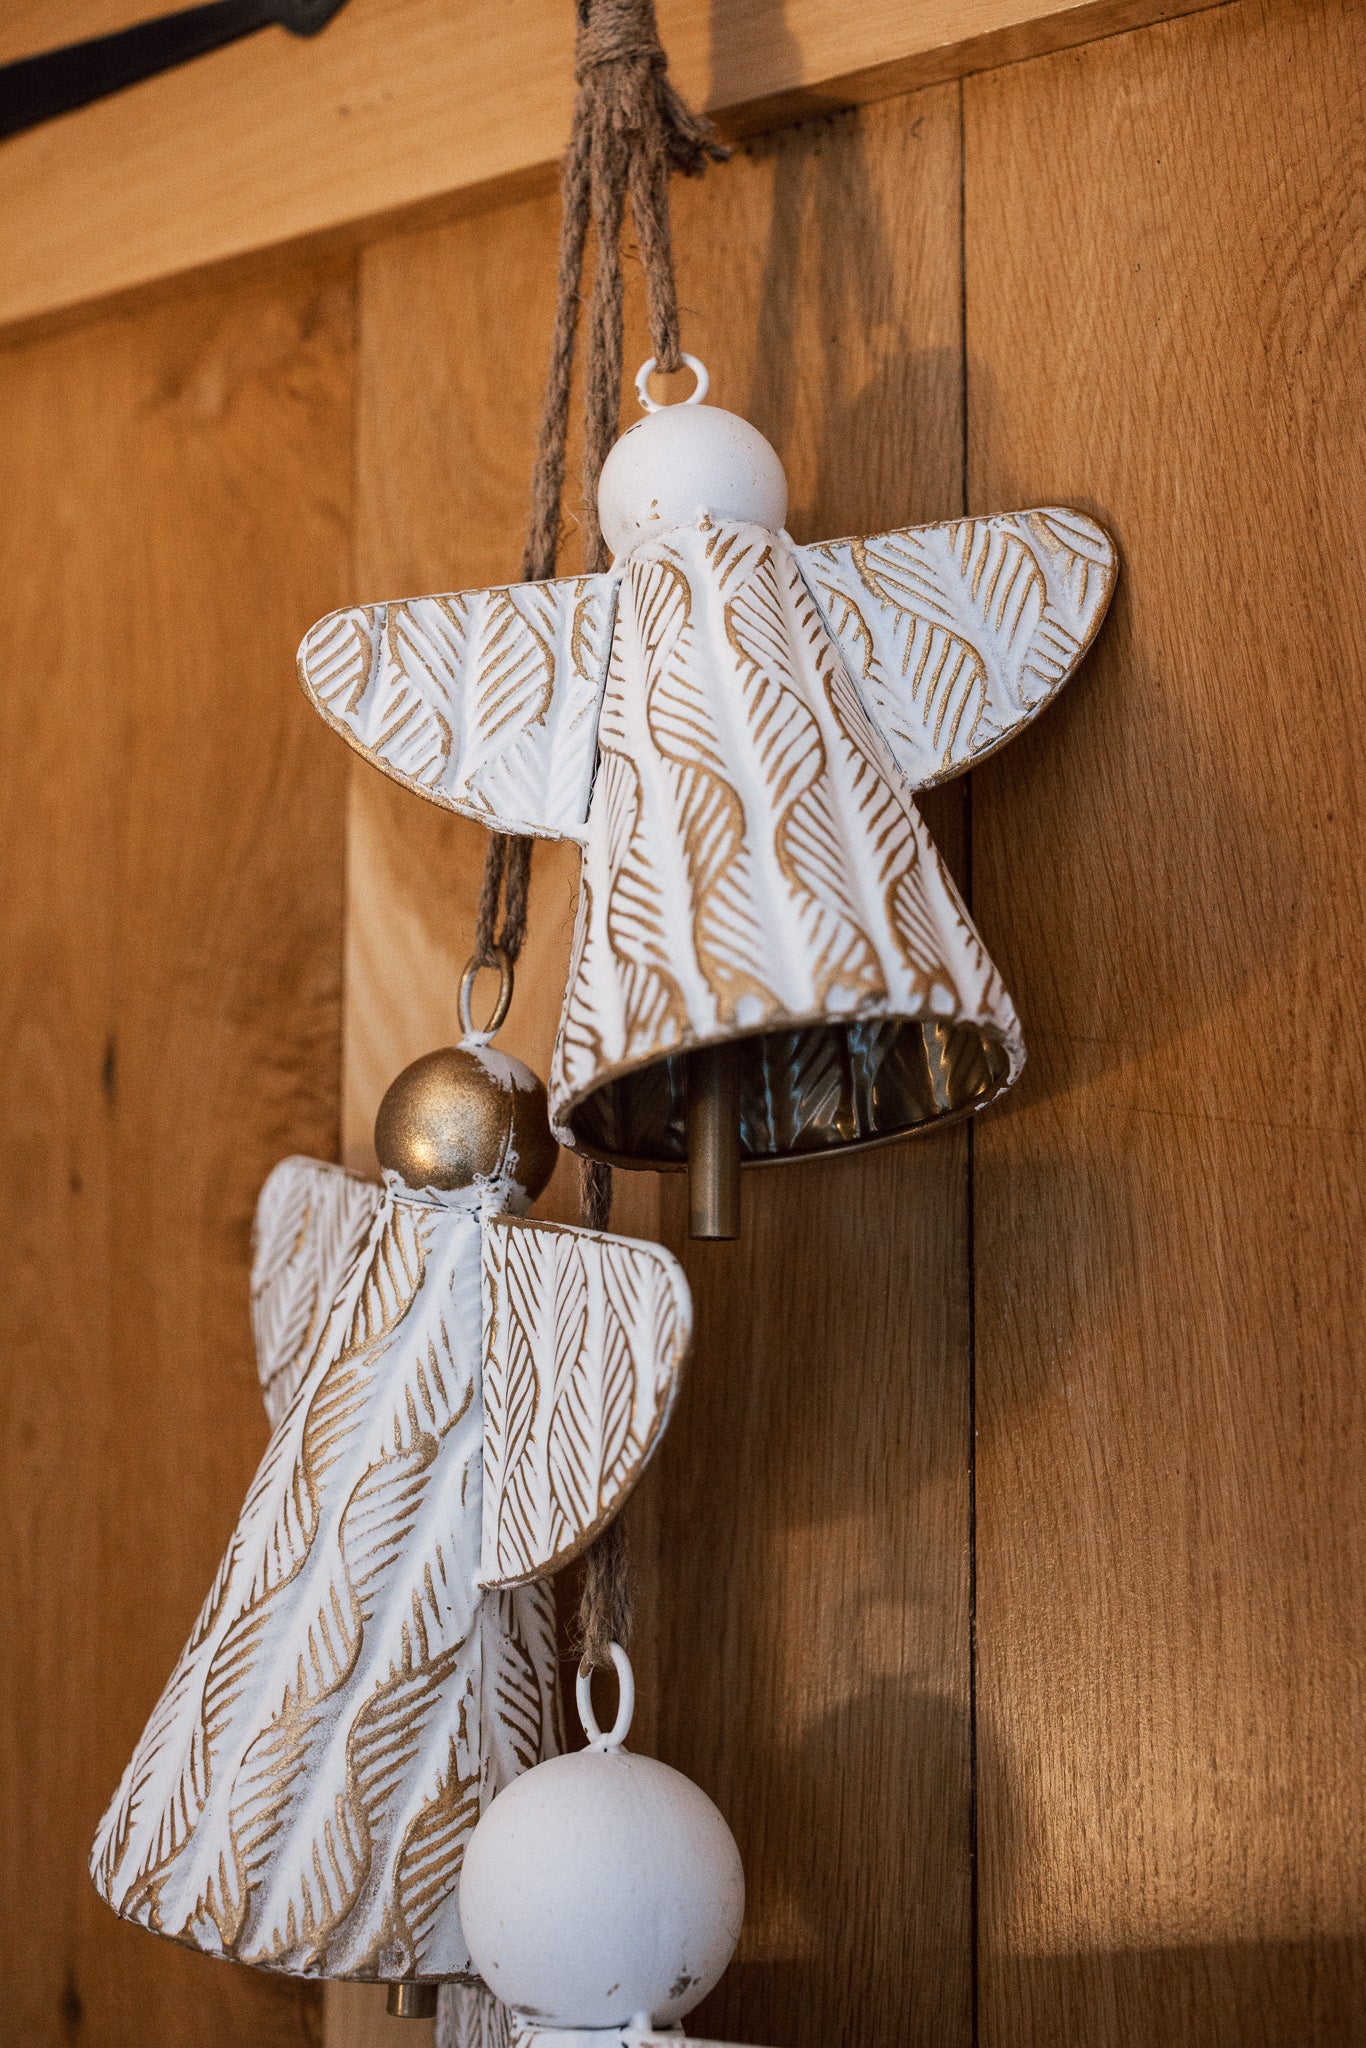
(462, 1114)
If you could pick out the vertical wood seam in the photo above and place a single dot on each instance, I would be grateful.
(969, 1190)
(353, 767)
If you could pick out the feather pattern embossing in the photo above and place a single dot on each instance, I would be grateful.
(471, 2017)
(570, 1430)
(770, 615)
(520, 1709)
(519, 1400)
(483, 701)
(754, 860)
(274, 1539)
(631, 925)
(579, 1044)
(431, 1853)
(681, 718)
(889, 831)
(312, 1222)
(612, 1321)
(960, 634)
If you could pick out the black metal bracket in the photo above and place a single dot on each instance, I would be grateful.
(36, 88)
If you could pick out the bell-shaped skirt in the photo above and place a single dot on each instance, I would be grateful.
(756, 871)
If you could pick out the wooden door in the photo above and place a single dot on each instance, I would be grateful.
(999, 1575)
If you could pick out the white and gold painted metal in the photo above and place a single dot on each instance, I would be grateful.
(461, 1396)
(732, 727)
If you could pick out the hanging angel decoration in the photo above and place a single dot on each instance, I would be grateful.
(770, 959)
(461, 1398)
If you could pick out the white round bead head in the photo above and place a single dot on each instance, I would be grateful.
(682, 460)
(601, 1886)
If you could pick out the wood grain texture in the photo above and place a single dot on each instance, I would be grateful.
(404, 105)
(170, 933)
(1168, 1221)
(357, 2017)
(813, 1541)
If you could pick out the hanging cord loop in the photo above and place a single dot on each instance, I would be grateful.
(507, 881)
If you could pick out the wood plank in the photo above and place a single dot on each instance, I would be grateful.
(170, 939)
(405, 106)
(1164, 258)
(357, 2016)
(813, 1607)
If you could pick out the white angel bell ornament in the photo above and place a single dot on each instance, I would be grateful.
(462, 1397)
(602, 1894)
(770, 959)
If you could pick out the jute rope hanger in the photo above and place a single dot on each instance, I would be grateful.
(630, 132)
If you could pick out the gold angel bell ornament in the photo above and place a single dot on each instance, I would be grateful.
(461, 1398)
(770, 959)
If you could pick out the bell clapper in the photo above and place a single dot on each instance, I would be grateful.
(412, 2001)
(713, 1143)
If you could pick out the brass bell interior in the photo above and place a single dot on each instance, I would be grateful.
(823, 1088)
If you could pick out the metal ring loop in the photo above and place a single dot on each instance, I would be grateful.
(626, 1702)
(694, 397)
(500, 1008)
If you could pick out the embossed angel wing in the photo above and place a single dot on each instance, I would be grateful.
(312, 1222)
(584, 1341)
(485, 701)
(958, 635)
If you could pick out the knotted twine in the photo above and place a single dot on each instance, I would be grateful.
(630, 131)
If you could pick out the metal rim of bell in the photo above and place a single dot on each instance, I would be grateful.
(987, 1061)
